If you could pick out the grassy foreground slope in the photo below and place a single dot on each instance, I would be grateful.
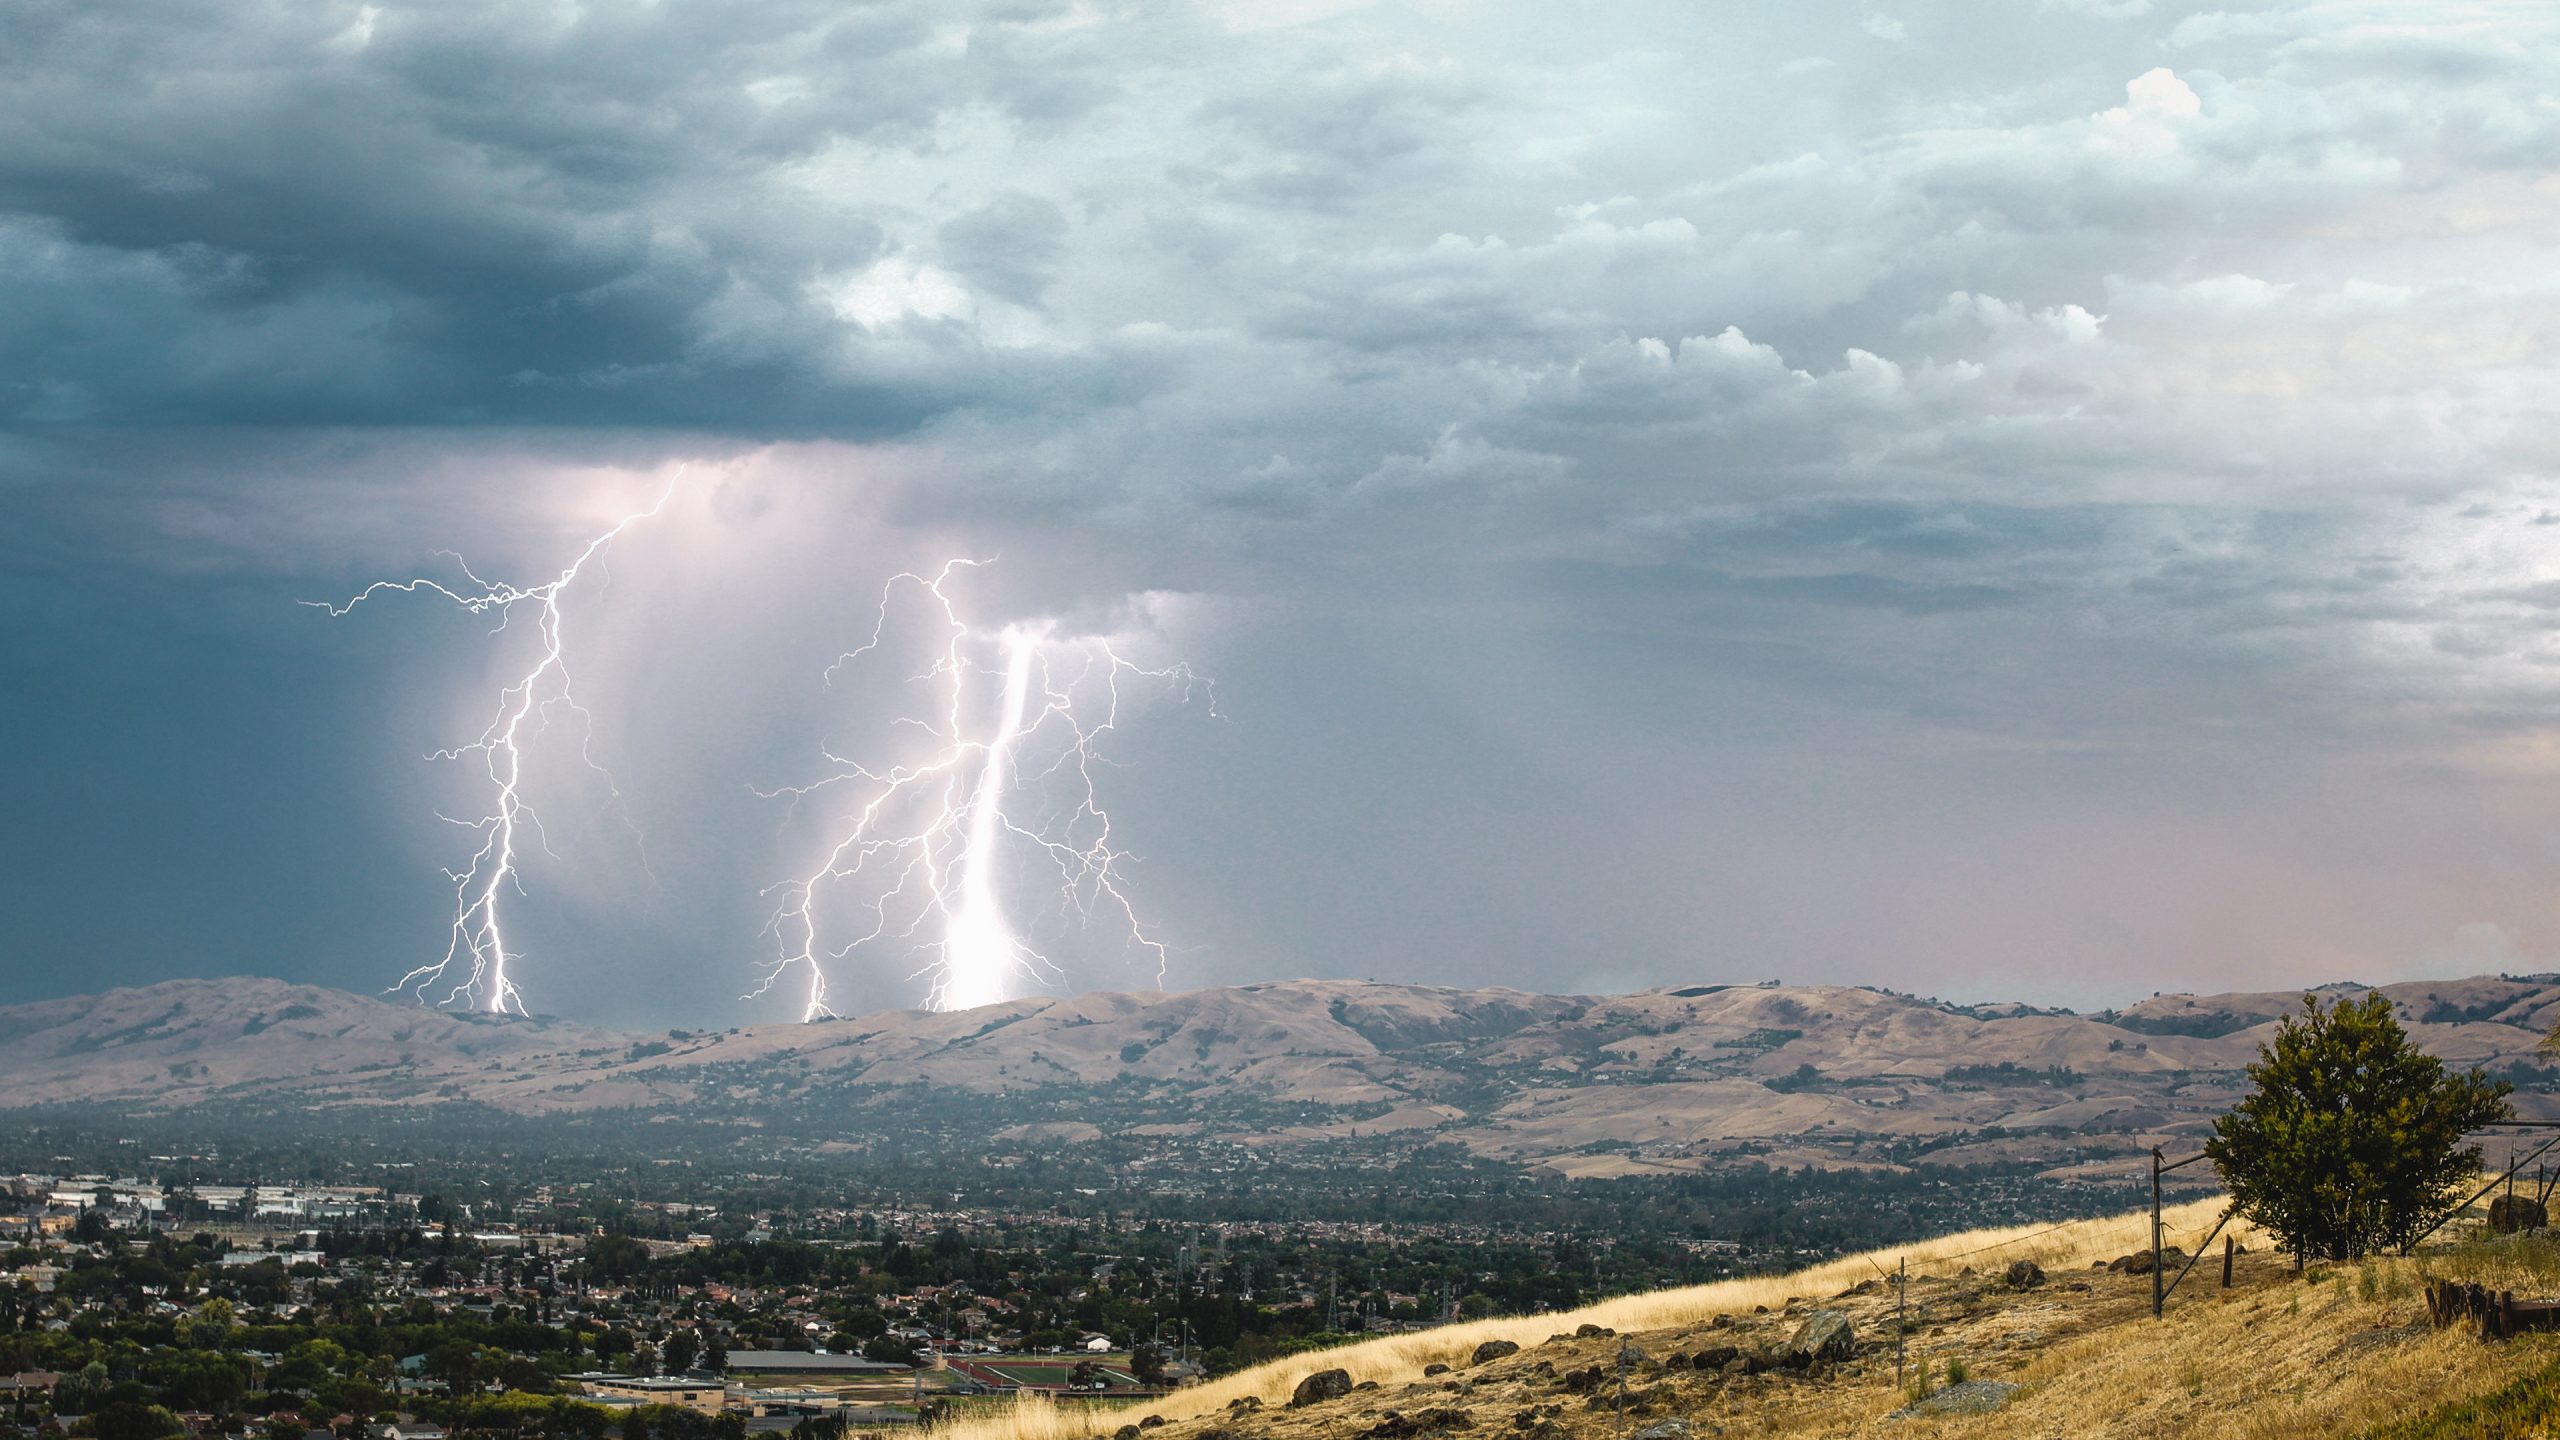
(2338, 1352)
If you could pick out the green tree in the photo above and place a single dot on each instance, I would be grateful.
(2353, 1139)
(210, 1327)
(129, 1420)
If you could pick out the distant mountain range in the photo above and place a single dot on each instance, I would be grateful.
(1662, 1080)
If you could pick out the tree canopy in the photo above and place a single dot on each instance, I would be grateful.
(2354, 1138)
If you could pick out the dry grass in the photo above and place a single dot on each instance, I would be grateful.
(1399, 1359)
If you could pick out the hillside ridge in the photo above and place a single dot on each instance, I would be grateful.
(1658, 1081)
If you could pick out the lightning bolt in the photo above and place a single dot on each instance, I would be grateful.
(918, 857)
(476, 961)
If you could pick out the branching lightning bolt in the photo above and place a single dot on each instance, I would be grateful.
(916, 860)
(476, 961)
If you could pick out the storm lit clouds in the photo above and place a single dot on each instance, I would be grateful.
(2056, 498)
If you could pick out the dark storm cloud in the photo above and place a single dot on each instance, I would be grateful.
(1771, 441)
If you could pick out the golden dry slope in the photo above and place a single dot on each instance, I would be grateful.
(2276, 1356)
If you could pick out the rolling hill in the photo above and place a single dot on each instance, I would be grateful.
(1588, 1086)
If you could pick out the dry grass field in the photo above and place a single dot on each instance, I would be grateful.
(2330, 1353)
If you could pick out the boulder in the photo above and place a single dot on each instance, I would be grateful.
(1245, 1402)
(1494, 1350)
(1434, 1368)
(1322, 1385)
(1127, 1432)
(2023, 1275)
(1970, 1397)
(1587, 1330)
(2511, 1213)
(1714, 1357)
(1151, 1422)
(1825, 1338)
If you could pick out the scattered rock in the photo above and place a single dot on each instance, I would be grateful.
(1582, 1381)
(1494, 1350)
(1972, 1397)
(1396, 1426)
(1631, 1355)
(1434, 1368)
(2139, 1262)
(1322, 1385)
(2023, 1275)
(1825, 1338)
(1714, 1357)
(1721, 1322)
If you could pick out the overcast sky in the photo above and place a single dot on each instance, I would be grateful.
(2050, 499)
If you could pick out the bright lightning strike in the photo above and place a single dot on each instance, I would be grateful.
(476, 964)
(918, 863)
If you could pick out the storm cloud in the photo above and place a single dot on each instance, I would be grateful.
(2027, 498)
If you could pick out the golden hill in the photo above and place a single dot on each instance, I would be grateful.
(2334, 1352)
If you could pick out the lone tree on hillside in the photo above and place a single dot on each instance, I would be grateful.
(2353, 1139)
